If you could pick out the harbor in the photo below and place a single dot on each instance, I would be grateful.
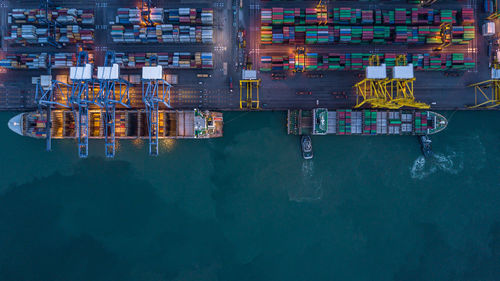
(88, 65)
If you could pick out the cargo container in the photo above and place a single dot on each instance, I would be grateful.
(366, 122)
(358, 61)
(162, 33)
(357, 26)
(176, 60)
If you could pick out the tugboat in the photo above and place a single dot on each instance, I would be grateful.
(425, 143)
(306, 145)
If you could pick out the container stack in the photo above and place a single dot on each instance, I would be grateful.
(62, 16)
(24, 61)
(33, 29)
(381, 122)
(164, 33)
(344, 119)
(180, 25)
(406, 122)
(266, 17)
(420, 123)
(157, 15)
(176, 60)
(359, 61)
(369, 122)
(207, 16)
(357, 26)
(394, 125)
(357, 121)
(63, 60)
(277, 16)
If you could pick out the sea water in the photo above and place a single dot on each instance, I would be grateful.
(248, 207)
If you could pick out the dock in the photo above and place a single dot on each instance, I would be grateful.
(248, 55)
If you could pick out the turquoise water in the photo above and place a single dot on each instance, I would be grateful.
(247, 207)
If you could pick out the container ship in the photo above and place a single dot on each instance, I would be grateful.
(130, 124)
(321, 121)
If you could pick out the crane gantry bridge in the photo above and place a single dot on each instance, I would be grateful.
(105, 91)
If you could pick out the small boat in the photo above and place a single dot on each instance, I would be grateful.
(425, 142)
(306, 144)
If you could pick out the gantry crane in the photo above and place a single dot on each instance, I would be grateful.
(250, 82)
(300, 59)
(495, 14)
(50, 94)
(373, 89)
(401, 85)
(379, 91)
(46, 5)
(446, 36)
(81, 97)
(321, 12)
(146, 11)
(492, 99)
(155, 90)
(112, 91)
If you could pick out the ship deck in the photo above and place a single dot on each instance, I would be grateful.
(132, 124)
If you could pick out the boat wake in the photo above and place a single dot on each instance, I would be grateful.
(310, 186)
(423, 167)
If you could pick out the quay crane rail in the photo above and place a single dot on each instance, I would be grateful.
(112, 91)
(81, 97)
(155, 90)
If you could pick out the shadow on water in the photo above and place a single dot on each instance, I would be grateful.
(309, 188)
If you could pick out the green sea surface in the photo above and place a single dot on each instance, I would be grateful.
(248, 207)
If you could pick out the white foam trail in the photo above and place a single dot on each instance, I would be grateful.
(450, 163)
(310, 188)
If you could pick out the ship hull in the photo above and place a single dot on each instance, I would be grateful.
(129, 124)
(322, 121)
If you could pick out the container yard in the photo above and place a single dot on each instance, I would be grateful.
(346, 68)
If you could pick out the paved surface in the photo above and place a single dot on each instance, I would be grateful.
(17, 92)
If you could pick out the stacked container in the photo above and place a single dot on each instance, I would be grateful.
(180, 25)
(359, 61)
(344, 121)
(176, 60)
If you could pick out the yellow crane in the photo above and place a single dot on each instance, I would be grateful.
(446, 36)
(381, 92)
(495, 13)
(250, 82)
(321, 12)
(401, 85)
(491, 99)
(373, 89)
